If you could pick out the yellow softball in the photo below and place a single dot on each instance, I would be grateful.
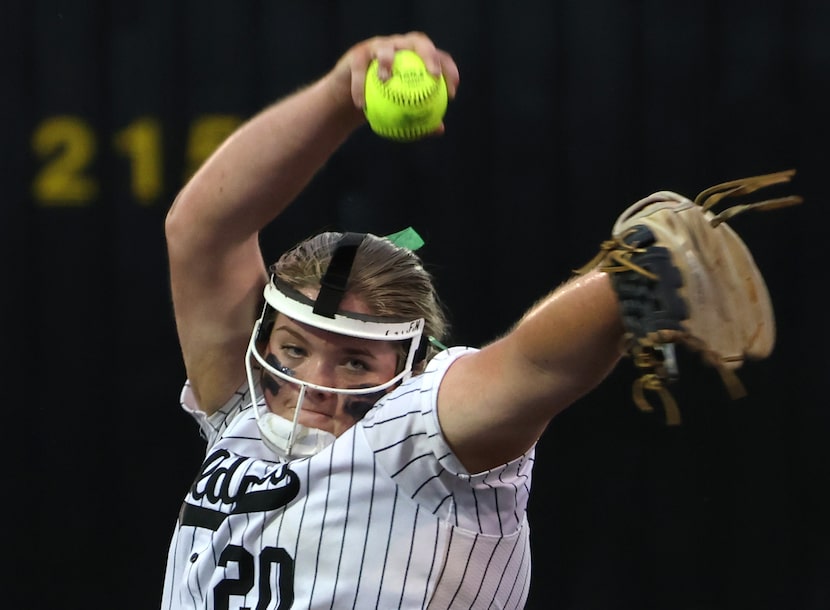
(410, 104)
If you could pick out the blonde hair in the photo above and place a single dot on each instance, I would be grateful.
(390, 279)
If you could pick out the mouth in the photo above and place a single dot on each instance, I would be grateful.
(315, 412)
(312, 418)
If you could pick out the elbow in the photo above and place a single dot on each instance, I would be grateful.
(184, 228)
(180, 232)
(173, 223)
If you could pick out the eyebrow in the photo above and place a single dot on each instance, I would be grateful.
(359, 351)
(348, 350)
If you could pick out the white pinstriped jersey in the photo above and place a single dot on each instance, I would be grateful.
(385, 517)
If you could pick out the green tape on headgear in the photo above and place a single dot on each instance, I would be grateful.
(408, 238)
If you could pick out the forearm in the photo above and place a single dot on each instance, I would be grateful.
(261, 168)
(265, 164)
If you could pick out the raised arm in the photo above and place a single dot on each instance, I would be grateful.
(216, 267)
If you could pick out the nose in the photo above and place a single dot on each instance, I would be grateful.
(319, 373)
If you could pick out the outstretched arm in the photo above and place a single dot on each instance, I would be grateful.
(684, 277)
(216, 267)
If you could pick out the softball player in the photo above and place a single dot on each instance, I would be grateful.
(295, 505)
(349, 462)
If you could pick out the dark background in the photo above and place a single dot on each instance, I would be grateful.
(568, 111)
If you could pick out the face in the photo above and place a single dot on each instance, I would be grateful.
(327, 359)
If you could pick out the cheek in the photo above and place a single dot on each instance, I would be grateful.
(269, 382)
(358, 406)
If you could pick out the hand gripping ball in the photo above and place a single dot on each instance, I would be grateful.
(410, 104)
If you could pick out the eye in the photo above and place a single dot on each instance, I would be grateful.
(289, 350)
(356, 365)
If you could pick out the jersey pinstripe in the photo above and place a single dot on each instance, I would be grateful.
(385, 517)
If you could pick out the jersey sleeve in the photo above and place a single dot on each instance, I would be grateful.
(212, 426)
(404, 432)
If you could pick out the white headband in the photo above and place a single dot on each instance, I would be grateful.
(342, 323)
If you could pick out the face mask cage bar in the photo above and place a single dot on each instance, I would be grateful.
(298, 307)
